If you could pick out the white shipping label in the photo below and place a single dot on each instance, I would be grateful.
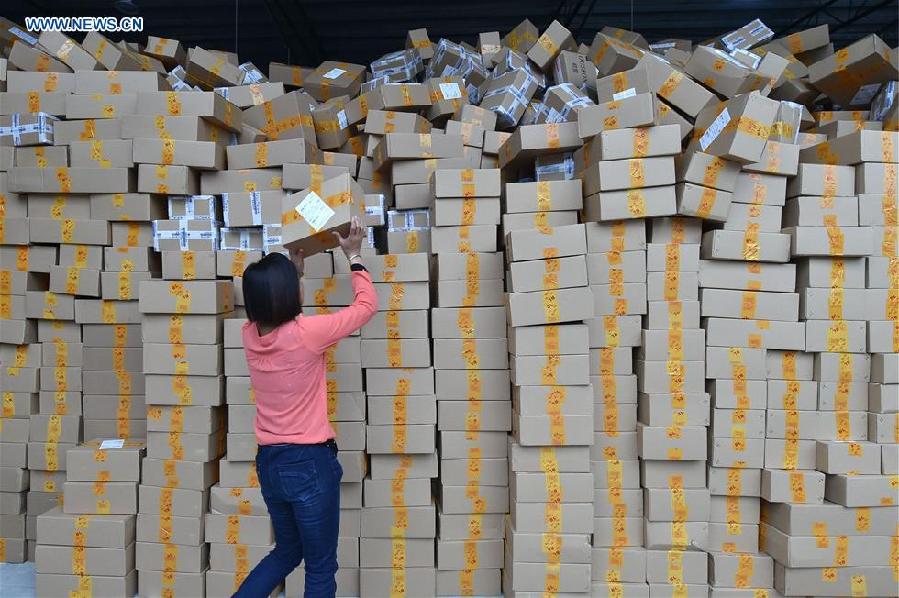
(714, 129)
(341, 119)
(112, 443)
(28, 39)
(314, 211)
(450, 91)
(256, 207)
(333, 73)
(627, 93)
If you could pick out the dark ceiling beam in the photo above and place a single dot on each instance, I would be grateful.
(307, 26)
(577, 32)
(293, 39)
(861, 14)
(891, 26)
(574, 11)
(804, 18)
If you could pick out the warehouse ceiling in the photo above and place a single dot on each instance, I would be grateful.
(308, 31)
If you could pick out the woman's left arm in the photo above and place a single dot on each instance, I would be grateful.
(320, 332)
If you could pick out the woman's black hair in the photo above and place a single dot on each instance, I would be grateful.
(271, 290)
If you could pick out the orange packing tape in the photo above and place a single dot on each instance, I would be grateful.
(830, 180)
(552, 136)
(182, 390)
(551, 309)
(676, 567)
(544, 197)
(797, 487)
(41, 159)
(612, 331)
(546, 42)
(672, 285)
(637, 173)
(549, 372)
(835, 236)
(751, 242)
(470, 354)
(238, 263)
(469, 210)
(397, 293)
(887, 148)
(670, 84)
(58, 209)
(394, 352)
(706, 202)
(641, 142)
(182, 297)
(133, 237)
(34, 101)
(67, 230)
(73, 276)
(551, 273)
(636, 203)
(188, 265)
(838, 336)
(619, 82)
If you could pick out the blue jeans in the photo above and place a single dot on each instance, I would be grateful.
(301, 487)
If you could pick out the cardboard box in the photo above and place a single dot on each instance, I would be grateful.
(527, 309)
(659, 535)
(208, 105)
(707, 170)
(535, 244)
(187, 297)
(633, 111)
(92, 461)
(789, 580)
(618, 85)
(530, 140)
(671, 85)
(271, 153)
(541, 275)
(308, 219)
(97, 561)
(116, 498)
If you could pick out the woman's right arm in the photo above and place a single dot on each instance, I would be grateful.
(320, 332)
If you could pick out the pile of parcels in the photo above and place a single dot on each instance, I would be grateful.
(637, 329)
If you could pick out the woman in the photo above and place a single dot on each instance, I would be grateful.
(297, 458)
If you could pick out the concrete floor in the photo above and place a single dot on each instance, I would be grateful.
(17, 580)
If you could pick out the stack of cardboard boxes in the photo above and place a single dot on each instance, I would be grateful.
(881, 213)
(472, 384)
(551, 484)
(399, 521)
(672, 433)
(182, 332)
(20, 353)
(326, 292)
(88, 545)
(20, 357)
(18, 406)
(237, 542)
(619, 560)
(743, 177)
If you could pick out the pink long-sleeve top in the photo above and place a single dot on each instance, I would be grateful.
(287, 368)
